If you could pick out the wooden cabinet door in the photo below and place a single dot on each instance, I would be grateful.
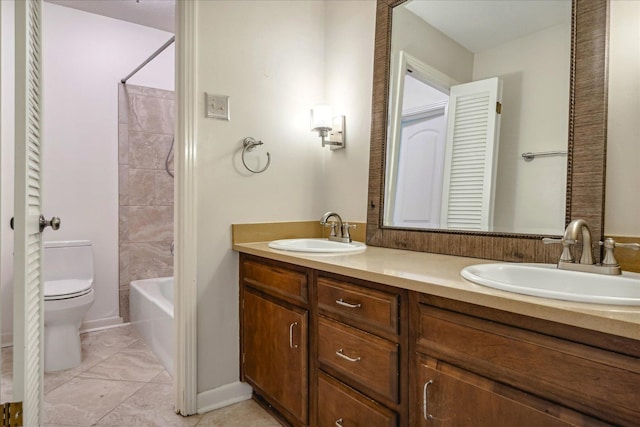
(275, 352)
(444, 395)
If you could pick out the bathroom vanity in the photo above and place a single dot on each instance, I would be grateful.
(397, 338)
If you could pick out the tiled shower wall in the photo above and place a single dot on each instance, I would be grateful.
(145, 133)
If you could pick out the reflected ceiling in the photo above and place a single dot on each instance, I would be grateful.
(150, 13)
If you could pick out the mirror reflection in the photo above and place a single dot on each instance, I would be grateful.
(473, 86)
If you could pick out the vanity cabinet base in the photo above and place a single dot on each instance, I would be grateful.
(521, 371)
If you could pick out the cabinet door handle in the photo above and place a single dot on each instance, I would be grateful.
(425, 401)
(291, 344)
(345, 357)
(339, 422)
(346, 304)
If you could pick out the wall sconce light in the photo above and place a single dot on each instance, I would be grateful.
(330, 129)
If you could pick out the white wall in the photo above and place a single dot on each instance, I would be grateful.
(268, 56)
(535, 117)
(413, 35)
(81, 77)
(623, 140)
(348, 57)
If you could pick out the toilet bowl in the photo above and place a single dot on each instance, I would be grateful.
(68, 295)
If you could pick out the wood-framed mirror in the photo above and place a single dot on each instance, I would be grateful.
(586, 149)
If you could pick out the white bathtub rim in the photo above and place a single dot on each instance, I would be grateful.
(154, 295)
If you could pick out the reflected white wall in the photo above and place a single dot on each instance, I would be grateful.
(623, 145)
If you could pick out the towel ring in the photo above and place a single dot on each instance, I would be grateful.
(249, 144)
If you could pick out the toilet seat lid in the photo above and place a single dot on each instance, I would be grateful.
(69, 288)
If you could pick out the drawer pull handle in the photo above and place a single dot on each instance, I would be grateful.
(291, 344)
(346, 304)
(425, 401)
(345, 357)
(339, 422)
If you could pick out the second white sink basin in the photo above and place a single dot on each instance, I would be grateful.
(546, 280)
(317, 246)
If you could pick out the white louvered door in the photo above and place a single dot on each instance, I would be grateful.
(28, 332)
(471, 155)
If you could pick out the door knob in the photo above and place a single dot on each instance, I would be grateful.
(54, 223)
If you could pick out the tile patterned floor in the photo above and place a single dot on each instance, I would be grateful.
(121, 383)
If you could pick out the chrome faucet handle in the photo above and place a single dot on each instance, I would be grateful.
(634, 246)
(333, 225)
(345, 230)
(609, 244)
(566, 256)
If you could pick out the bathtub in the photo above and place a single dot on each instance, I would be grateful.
(151, 311)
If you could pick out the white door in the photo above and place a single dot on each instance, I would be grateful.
(468, 191)
(420, 163)
(28, 337)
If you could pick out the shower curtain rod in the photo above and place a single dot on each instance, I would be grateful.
(149, 59)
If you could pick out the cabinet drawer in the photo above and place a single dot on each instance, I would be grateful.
(340, 405)
(276, 280)
(447, 395)
(366, 308)
(593, 381)
(366, 361)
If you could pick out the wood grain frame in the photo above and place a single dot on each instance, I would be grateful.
(586, 158)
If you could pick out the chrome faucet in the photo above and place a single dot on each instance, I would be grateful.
(576, 228)
(339, 227)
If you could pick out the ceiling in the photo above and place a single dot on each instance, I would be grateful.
(481, 25)
(150, 13)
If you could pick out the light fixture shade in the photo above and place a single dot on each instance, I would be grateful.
(321, 117)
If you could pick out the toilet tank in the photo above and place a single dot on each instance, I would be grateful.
(69, 259)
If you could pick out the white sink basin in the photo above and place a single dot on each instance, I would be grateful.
(545, 280)
(317, 246)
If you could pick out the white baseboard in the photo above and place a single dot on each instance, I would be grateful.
(98, 324)
(223, 396)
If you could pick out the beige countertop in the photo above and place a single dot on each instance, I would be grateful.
(438, 275)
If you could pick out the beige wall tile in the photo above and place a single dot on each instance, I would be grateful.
(124, 264)
(148, 150)
(148, 260)
(150, 114)
(146, 119)
(123, 144)
(125, 313)
(123, 224)
(150, 91)
(150, 223)
(163, 188)
(123, 185)
(141, 187)
(123, 104)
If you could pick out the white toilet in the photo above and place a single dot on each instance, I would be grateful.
(68, 293)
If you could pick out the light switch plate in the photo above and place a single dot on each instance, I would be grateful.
(217, 106)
